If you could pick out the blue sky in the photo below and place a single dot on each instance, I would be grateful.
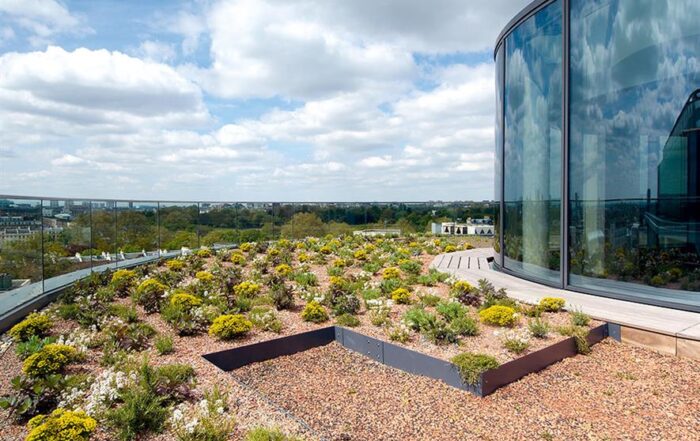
(250, 100)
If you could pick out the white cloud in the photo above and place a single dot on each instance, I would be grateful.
(376, 161)
(42, 18)
(155, 51)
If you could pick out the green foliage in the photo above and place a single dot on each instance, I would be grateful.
(267, 434)
(552, 304)
(437, 330)
(515, 344)
(34, 325)
(32, 396)
(471, 365)
(306, 279)
(51, 359)
(128, 336)
(230, 326)
(401, 296)
(410, 266)
(388, 286)
(464, 325)
(173, 381)
(150, 293)
(499, 315)
(579, 318)
(142, 411)
(416, 318)
(399, 333)
(465, 293)
(347, 320)
(314, 312)
(538, 328)
(282, 295)
(580, 335)
(164, 344)
(451, 310)
(32, 345)
(265, 318)
(124, 312)
(429, 300)
(237, 258)
(61, 425)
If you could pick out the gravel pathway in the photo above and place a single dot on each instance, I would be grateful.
(616, 393)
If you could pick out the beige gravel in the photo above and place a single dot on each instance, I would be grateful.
(616, 393)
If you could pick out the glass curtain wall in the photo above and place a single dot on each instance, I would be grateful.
(532, 145)
(634, 147)
(498, 172)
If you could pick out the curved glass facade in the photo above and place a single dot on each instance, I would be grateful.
(626, 121)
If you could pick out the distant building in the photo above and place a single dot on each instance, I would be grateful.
(473, 227)
(378, 232)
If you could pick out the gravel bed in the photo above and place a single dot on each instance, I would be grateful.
(616, 393)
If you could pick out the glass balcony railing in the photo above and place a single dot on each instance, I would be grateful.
(48, 243)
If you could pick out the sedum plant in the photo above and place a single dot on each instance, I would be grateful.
(552, 304)
(61, 425)
(499, 315)
(314, 312)
(34, 325)
(471, 365)
(230, 326)
(51, 359)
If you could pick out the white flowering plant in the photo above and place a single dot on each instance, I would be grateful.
(207, 420)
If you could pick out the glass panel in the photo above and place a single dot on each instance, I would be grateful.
(66, 237)
(103, 229)
(634, 148)
(178, 225)
(137, 230)
(20, 252)
(533, 104)
(498, 175)
(218, 224)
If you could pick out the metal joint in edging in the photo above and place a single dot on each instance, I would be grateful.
(615, 331)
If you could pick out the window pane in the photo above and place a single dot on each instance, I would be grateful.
(634, 158)
(533, 104)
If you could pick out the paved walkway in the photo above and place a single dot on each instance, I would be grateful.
(472, 265)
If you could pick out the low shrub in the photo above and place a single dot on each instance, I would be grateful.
(150, 293)
(429, 299)
(379, 316)
(306, 279)
(282, 296)
(391, 273)
(208, 420)
(516, 342)
(538, 328)
(580, 335)
(464, 325)
(401, 296)
(141, 411)
(164, 344)
(34, 324)
(128, 336)
(552, 304)
(343, 303)
(451, 310)
(32, 396)
(416, 318)
(237, 258)
(579, 318)
(127, 313)
(388, 286)
(400, 333)
(174, 381)
(472, 365)
(437, 330)
(465, 293)
(410, 266)
(123, 281)
(265, 318)
(247, 289)
(230, 326)
(204, 276)
(204, 253)
(61, 425)
(499, 315)
(51, 359)
(347, 320)
(314, 312)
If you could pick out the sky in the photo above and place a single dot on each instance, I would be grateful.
(270, 100)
